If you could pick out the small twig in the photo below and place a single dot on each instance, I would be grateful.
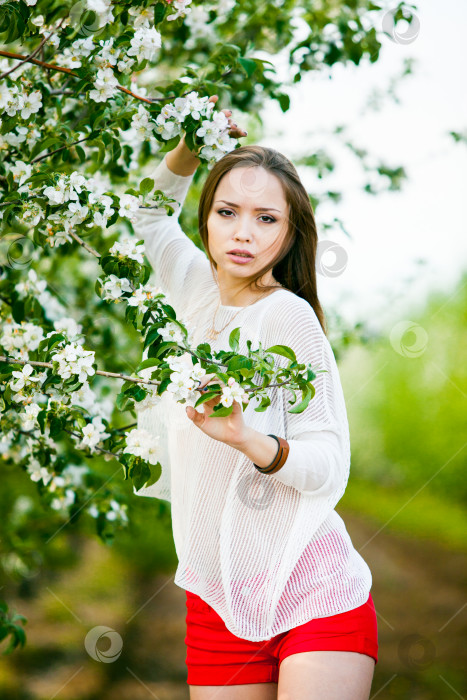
(49, 365)
(99, 449)
(26, 59)
(79, 240)
(61, 92)
(62, 148)
(68, 71)
(125, 427)
(29, 433)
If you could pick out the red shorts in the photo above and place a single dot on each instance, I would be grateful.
(215, 656)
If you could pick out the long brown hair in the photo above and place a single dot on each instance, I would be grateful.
(295, 264)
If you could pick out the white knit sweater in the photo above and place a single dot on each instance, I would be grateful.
(267, 551)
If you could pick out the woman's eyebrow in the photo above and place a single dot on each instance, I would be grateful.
(231, 204)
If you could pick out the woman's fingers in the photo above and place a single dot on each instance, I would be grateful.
(208, 379)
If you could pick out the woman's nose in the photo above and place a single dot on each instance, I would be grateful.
(243, 229)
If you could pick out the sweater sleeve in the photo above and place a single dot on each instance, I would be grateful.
(319, 455)
(172, 255)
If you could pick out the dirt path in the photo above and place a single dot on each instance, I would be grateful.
(419, 591)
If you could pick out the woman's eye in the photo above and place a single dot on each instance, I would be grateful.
(271, 219)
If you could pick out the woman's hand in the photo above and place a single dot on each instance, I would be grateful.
(231, 430)
(235, 131)
(182, 161)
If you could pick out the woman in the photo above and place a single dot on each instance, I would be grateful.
(278, 600)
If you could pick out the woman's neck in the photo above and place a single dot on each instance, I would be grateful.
(246, 296)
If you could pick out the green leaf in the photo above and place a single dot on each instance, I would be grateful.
(17, 311)
(307, 395)
(206, 397)
(156, 471)
(140, 474)
(146, 186)
(46, 145)
(265, 402)
(159, 12)
(234, 338)
(248, 65)
(283, 350)
(151, 362)
(221, 411)
(81, 153)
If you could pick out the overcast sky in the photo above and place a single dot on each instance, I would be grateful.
(382, 280)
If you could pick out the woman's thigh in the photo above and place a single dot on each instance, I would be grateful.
(250, 691)
(334, 675)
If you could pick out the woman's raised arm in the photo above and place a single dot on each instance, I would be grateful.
(175, 259)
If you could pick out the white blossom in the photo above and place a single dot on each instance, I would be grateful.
(108, 54)
(14, 139)
(73, 359)
(144, 43)
(93, 433)
(142, 124)
(143, 444)
(117, 511)
(31, 104)
(167, 129)
(32, 213)
(128, 248)
(103, 9)
(29, 415)
(23, 377)
(31, 285)
(129, 205)
(233, 392)
(104, 85)
(63, 501)
(143, 16)
(143, 294)
(11, 101)
(69, 326)
(37, 472)
(114, 287)
(181, 7)
(172, 332)
(74, 474)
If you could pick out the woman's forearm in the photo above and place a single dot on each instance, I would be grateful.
(181, 160)
(258, 447)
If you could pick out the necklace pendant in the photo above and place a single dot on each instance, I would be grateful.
(212, 334)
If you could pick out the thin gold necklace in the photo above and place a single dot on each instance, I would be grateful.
(212, 333)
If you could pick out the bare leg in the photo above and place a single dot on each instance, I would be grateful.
(334, 675)
(250, 691)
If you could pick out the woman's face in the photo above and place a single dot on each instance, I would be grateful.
(249, 213)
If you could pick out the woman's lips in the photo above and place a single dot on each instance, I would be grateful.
(239, 258)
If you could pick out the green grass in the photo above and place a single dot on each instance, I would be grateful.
(422, 515)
